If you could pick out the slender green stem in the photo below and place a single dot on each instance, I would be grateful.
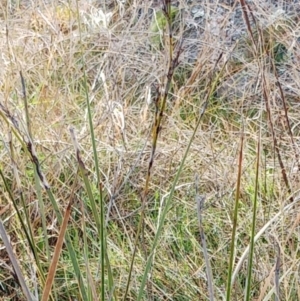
(250, 259)
(234, 226)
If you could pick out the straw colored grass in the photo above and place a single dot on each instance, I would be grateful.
(53, 45)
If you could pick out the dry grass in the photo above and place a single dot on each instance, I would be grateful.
(52, 45)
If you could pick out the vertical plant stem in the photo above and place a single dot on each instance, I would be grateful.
(15, 264)
(235, 217)
(213, 85)
(36, 171)
(277, 273)
(200, 204)
(250, 258)
(101, 225)
(160, 104)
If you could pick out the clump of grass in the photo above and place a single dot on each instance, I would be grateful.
(102, 136)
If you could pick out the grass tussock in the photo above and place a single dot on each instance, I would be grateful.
(147, 153)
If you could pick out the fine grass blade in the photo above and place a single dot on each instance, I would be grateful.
(28, 233)
(251, 252)
(212, 87)
(12, 257)
(100, 221)
(235, 217)
(277, 274)
(160, 107)
(40, 180)
(200, 205)
(36, 171)
(29, 150)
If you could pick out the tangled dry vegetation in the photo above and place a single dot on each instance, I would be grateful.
(73, 52)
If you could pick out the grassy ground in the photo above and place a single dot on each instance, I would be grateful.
(116, 137)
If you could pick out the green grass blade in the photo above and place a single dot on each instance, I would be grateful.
(163, 217)
(100, 221)
(234, 226)
(28, 233)
(251, 252)
(169, 200)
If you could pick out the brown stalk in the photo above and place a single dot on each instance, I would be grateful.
(160, 106)
(57, 251)
(285, 109)
(265, 95)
